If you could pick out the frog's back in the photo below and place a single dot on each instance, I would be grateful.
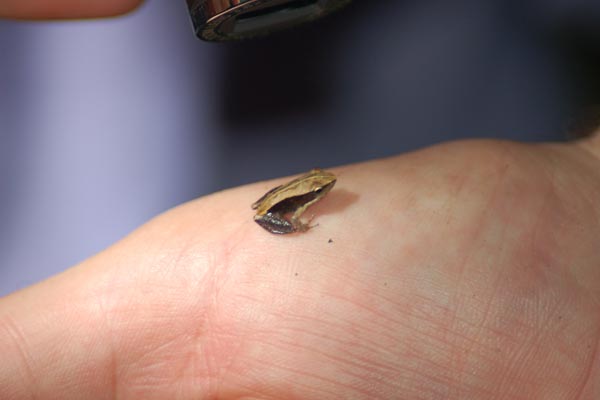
(258, 202)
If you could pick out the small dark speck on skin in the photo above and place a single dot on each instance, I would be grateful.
(560, 317)
(296, 274)
(384, 283)
(330, 241)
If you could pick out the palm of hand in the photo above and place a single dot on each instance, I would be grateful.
(462, 271)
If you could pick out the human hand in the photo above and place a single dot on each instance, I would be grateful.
(40, 9)
(469, 270)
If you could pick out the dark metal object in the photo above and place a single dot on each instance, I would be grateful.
(222, 20)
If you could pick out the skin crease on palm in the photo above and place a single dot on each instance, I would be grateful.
(468, 270)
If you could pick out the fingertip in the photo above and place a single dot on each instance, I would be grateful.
(65, 9)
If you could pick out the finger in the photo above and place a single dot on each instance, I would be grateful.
(129, 323)
(101, 330)
(43, 346)
(44, 9)
(53, 341)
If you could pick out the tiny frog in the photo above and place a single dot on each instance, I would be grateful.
(292, 198)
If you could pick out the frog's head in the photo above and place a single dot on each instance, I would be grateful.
(320, 182)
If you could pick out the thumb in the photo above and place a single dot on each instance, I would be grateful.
(100, 330)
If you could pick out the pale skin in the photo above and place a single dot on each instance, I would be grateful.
(46, 9)
(469, 270)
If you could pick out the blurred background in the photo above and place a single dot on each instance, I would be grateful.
(106, 123)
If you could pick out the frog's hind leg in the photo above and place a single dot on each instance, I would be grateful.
(275, 224)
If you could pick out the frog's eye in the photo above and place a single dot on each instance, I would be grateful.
(318, 190)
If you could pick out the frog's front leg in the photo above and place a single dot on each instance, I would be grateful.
(297, 223)
(275, 223)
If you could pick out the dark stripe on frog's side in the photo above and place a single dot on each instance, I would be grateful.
(292, 204)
